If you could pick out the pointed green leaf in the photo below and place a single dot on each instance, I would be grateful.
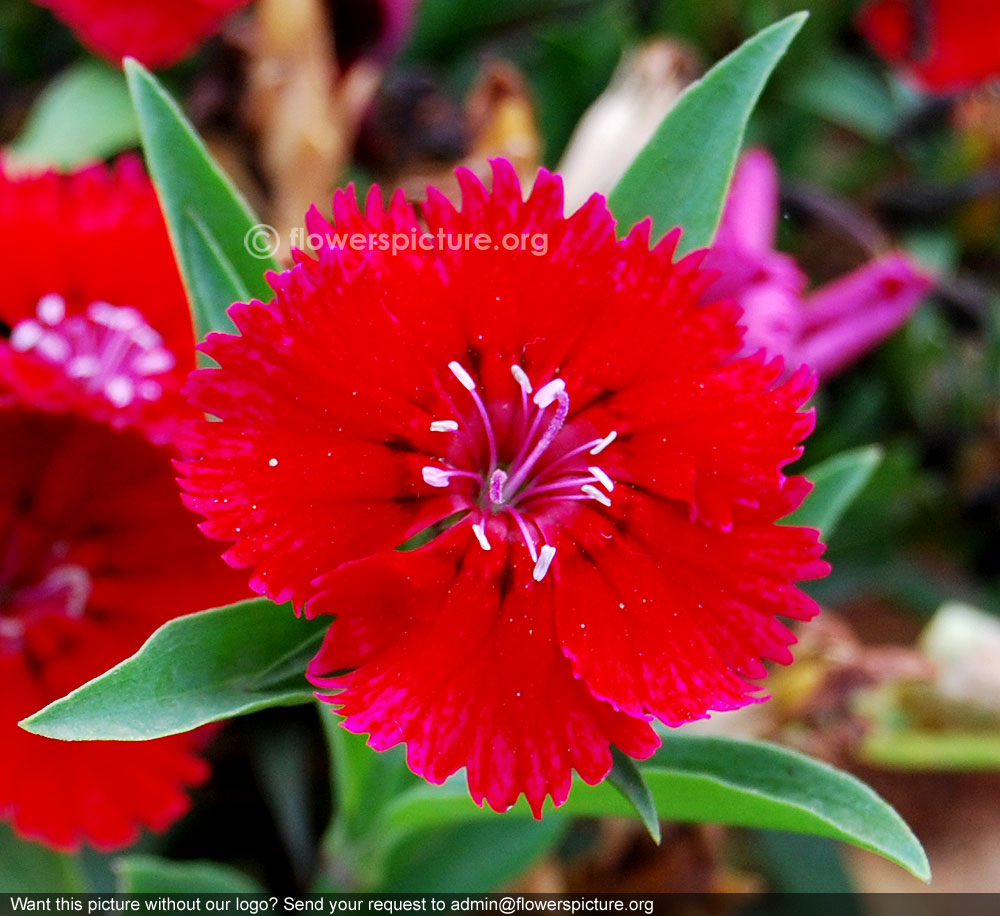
(193, 670)
(836, 483)
(152, 875)
(715, 780)
(210, 223)
(84, 115)
(627, 778)
(681, 176)
(30, 868)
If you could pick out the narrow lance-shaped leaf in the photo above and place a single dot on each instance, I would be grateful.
(210, 223)
(627, 778)
(152, 875)
(680, 178)
(715, 780)
(836, 483)
(196, 669)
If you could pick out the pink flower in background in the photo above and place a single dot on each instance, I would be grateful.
(826, 329)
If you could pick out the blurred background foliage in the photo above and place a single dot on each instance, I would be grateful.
(867, 163)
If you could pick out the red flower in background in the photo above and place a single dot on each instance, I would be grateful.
(942, 45)
(156, 32)
(610, 473)
(96, 550)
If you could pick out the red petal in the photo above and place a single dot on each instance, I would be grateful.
(455, 653)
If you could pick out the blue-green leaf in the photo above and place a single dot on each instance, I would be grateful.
(212, 227)
(29, 868)
(836, 483)
(193, 670)
(681, 176)
(627, 778)
(84, 115)
(152, 875)
(715, 780)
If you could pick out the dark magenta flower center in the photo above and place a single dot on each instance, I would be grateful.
(520, 457)
(36, 582)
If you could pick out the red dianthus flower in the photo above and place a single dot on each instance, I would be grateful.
(943, 45)
(610, 471)
(96, 550)
(156, 32)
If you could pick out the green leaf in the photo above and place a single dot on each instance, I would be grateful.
(715, 780)
(627, 778)
(152, 875)
(469, 858)
(84, 115)
(836, 483)
(28, 868)
(193, 670)
(681, 176)
(210, 223)
(849, 94)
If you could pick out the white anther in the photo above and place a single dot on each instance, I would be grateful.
(458, 370)
(153, 362)
(85, 366)
(272, 462)
(549, 392)
(53, 347)
(602, 478)
(444, 426)
(521, 377)
(594, 493)
(545, 556)
(116, 317)
(604, 443)
(51, 308)
(25, 335)
(146, 337)
(120, 391)
(480, 533)
(150, 390)
(435, 477)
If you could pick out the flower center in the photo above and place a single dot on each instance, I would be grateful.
(30, 593)
(521, 458)
(110, 351)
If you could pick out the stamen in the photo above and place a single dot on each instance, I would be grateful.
(458, 370)
(594, 493)
(480, 533)
(549, 392)
(603, 478)
(441, 477)
(553, 391)
(525, 533)
(26, 335)
(544, 562)
(51, 308)
(522, 378)
(604, 443)
(444, 426)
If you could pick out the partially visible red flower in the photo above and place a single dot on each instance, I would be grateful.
(96, 307)
(826, 329)
(96, 550)
(611, 476)
(941, 45)
(156, 32)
